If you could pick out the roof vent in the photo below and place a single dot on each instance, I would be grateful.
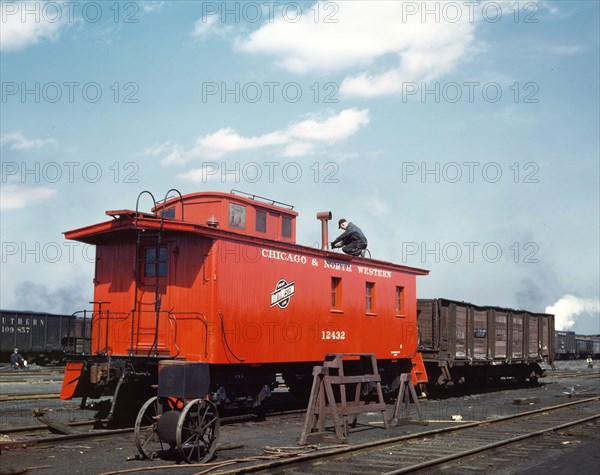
(212, 222)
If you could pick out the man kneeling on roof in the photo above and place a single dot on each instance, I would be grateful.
(352, 240)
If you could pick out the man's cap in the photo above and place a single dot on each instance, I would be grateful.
(340, 222)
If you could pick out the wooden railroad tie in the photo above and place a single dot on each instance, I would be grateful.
(322, 401)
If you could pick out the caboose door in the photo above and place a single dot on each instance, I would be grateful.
(151, 322)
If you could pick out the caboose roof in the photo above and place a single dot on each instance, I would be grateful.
(249, 199)
(128, 222)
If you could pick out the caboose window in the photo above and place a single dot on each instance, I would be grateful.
(399, 300)
(169, 213)
(286, 227)
(261, 221)
(336, 292)
(237, 216)
(154, 264)
(370, 296)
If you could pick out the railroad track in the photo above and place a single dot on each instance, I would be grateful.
(26, 397)
(446, 446)
(37, 381)
(420, 451)
(40, 435)
(31, 381)
(23, 373)
(574, 374)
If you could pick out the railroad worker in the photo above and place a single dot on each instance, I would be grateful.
(352, 240)
(589, 361)
(16, 360)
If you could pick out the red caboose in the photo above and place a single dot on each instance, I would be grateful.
(218, 278)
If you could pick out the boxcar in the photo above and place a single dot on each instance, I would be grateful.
(596, 346)
(463, 342)
(565, 345)
(584, 346)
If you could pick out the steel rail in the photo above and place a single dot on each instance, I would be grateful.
(103, 433)
(25, 397)
(493, 445)
(36, 428)
(323, 454)
(24, 373)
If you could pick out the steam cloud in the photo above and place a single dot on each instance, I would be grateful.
(40, 298)
(568, 308)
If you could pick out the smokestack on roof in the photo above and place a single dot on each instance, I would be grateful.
(324, 216)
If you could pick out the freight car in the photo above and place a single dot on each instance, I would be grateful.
(584, 346)
(461, 342)
(570, 346)
(596, 346)
(42, 338)
(218, 279)
(565, 345)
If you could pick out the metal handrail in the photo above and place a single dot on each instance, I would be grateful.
(267, 200)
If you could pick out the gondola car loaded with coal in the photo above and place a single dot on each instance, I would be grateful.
(43, 338)
(466, 343)
(217, 280)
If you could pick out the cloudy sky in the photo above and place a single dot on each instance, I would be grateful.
(462, 137)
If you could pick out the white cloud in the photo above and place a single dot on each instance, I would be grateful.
(20, 30)
(569, 308)
(172, 153)
(227, 140)
(374, 36)
(332, 129)
(209, 172)
(17, 141)
(298, 149)
(156, 149)
(151, 5)
(298, 139)
(15, 197)
(205, 27)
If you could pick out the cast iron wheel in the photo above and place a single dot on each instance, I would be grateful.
(146, 438)
(198, 431)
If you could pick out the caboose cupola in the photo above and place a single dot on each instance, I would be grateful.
(238, 212)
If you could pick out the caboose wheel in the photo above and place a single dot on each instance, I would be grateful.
(198, 431)
(146, 438)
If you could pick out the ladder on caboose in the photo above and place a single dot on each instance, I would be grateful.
(145, 336)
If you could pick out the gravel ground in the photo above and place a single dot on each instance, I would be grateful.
(250, 438)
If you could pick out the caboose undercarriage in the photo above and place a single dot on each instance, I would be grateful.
(132, 380)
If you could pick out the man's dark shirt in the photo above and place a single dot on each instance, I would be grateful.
(352, 234)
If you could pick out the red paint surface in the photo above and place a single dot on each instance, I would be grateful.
(215, 300)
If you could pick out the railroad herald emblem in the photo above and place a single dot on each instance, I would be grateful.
(284, 291)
